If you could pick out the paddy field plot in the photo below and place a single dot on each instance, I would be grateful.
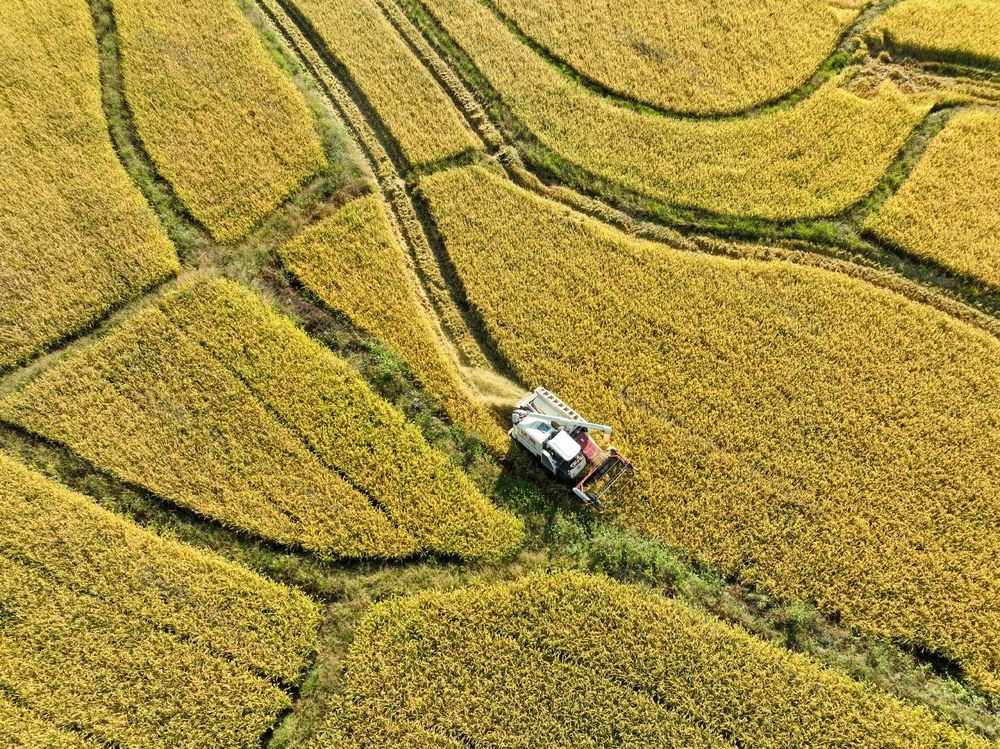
(822, 437)
(128, 638)
(684, 56)
(963, 31)
(809, 160)
(76, 236)
(223, 124)
(948, 210)
(212, 400)
(571, 661)
(355, 264)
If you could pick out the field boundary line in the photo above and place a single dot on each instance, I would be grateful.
(838, 232)
(464, 100)
(449, 321)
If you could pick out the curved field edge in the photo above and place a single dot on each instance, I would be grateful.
(946, 210)
(78, 239)
(707, 166)
(193, 78)
(655, 79)
(788, 371)
(567, 660)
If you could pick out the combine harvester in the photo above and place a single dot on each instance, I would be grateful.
(561, 440)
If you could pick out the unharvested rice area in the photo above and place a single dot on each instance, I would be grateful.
(687, 56)
(963, 31)
(222, 608)
(569, 661)
(827, 439)
(22, 729)
(220, 120)
(76, 237)
(813, 159)
(129, 638)
(948, 209)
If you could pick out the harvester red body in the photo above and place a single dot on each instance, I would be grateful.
(560, 438)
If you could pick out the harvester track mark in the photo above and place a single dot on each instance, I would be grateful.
(426, 274)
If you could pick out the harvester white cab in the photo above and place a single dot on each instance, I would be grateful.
(560, 438)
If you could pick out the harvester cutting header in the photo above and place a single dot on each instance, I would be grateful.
(561, 440)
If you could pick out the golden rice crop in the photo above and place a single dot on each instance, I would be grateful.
(351, 726)
(208, 397)
(354, 263)
(222, 608)
(415, 110)
(569, 661)
(822, 437)
(149, 405)
(813, 159)
(21, 728)
(79, 660)
(345, 423)
(76, 237)
(964, 31)
(947, 209)
(232, 135)
(684, 56)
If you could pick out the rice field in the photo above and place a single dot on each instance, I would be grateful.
(813, 159)
(21, 728)
(709, 58)
(206, 397)
(569, 660)
(222, 123)
(947, 210)
(129, 638)
(962, 31)
(225, 610)
(824, 438)
(354, 263)
(413, 107)
(76, 236)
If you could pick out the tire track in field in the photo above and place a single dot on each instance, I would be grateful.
(839, 237)
(463, 336)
